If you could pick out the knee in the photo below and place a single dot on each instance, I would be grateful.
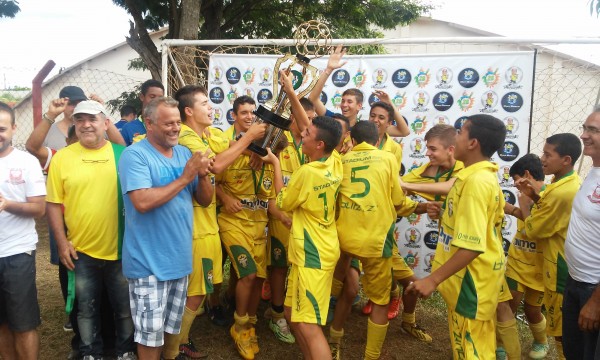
(248, 280)
(193, 302)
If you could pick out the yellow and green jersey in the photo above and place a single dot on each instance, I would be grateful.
(205, 218)
(311, 197)
(471, 219)
(525, 260)
(366, 202)
(416, 176)
(548, 223)
(393, 147)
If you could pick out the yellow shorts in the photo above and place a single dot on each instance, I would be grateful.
(277, 244)
(207, 265)
(400, 269)
(471, 338)
(377, 279)
(308, 292)
(532, 297)
(553, 303)
(248, 256)
(505, 294)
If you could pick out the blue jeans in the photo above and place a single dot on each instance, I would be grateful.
(91, 276)
(577, 344)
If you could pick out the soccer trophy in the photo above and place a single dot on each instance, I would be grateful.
(311, 39)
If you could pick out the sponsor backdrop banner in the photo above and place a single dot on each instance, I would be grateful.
(427, 90)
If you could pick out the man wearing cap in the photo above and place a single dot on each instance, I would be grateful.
(83, 179)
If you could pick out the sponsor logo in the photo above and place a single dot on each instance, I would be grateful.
(216, 95)
(413, 219)
(466, 101)
(504, 176)
(440, 120)
(249, 92)
(336, 99)
(266, 75)
(419, 125)
(511, 102)
(229, 117)
(422, 78)
(489, 100)
(443, 101)
(340, 78)
(379, 78)
(217, 114)
(232, 95)
(513, 77)
(509, 197)
(444, 77)
(512, 125)
(491, 77)
(421, 99)
(429, 258)
(217, 73)
(373, 99)
(413, 237)
(249, 75)
(323, 97)
(399, 100)
(412, 259)
(233, 75)
(359, 79)
(468, 77)
(264, 95)
(460, 122)
(431, 239)
(509, 151)
(418, 148)
(401, 78)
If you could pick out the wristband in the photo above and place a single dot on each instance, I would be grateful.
(47, 118)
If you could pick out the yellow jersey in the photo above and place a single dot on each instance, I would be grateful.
(548, 223)
(416, 176)
(525, 260)
(393, 147)
(366, 202)
(205, 218)
(471, 219)
(311, 197)
(84, 181)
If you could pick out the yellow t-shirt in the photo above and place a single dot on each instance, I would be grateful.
(525, 260)
(548, 223)
(311, 196)
(471, 219)
(205, 218)
(416, 177)
(366, 201)
(393, 147)
(85, 182)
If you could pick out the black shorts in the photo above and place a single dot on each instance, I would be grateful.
(18, 294)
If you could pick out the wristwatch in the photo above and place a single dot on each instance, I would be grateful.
(47, 118)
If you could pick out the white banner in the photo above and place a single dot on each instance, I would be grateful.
(427, 90)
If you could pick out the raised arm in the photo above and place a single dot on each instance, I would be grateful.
(35, 142)
(401, 129)
(302, 119)
(333, 63)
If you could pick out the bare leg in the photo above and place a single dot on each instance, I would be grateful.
(7, 343)
(27, 344)
(148, 353)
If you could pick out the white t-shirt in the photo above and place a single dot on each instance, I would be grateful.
(582, 246)
(20, 177)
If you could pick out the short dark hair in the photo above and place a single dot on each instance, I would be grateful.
(240, 100)
(343, 119)
(444, 132)
(364, 131)
(566, 144)
(385, 106)
(185, 97)
(329, 131)
(127, 110)
(529, 162)
(151, 83)
(71, 132)
(489, 131)
(307, 105)
(358, 95)
(6, 108)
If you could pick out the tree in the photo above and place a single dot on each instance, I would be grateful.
(9, 8)
(237, 19)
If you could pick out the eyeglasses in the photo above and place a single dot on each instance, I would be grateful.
(590, 130)
(93, 161)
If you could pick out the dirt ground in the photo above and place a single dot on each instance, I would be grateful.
(216, 342)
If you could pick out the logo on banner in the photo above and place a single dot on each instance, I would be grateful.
(379, 78)
(340, 78)
(491, 77)
(415, 165)
(444, 77)
(509, 197)
(217, 74)
(297, 79)
(466, 101)
(217, 114)
(506, 224)
(422, 78)
(336, 100)
(413, 237)
(431, 223)
(229, 116)
(431, 239)
(232, 95)
(413, 219)
(440, 120)
(264, 95)
(460, 122)
(505, 246)
(401, 78)
(468, 78)
(512, 102)
(249, 92)
(509, 151)
(417, 146)
(419, 125)
(359, 79)
(323, 97)
(421, 99)
(399, 100)
(442, 101)
(513, 77)
(429, 258)
(233, 75)
(489, 100)
(402, 169)
(249, 76)
(512, 125)
(265, 77)
(216, 95)
(412, 260)
(373, 99)
(504, 176)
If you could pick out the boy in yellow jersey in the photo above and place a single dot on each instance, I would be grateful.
(549, 219)
(314, 247)
(197, 134)
(369, 196)
(524, 266)
(469, 260)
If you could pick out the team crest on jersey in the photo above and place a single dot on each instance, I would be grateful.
(15, 176)
(422, 78)
(413, 238)
(489, 100)
(412, 260)
(513, 77)
(419, 125)
(267, 182)
(359, 79)
(421, 100)
(242, 259)
(249, 75)
(594, 198)
(217, 75)
(429, 258)
(491, 77)
(209, 277)
(444, 77)
(413, 218)
(277, 253)
(379, 78)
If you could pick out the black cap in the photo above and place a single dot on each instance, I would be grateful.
(74, 93)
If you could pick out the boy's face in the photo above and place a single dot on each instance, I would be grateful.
(310, 144)
(462, 141)
(552, 162)
(244, 116)
(380, 117)
(349, 106)
(201, 110)
(437, 152)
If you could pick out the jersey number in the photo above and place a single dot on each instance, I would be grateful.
(325, 207)
(356, 179)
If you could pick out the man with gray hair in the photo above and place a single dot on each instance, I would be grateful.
(581, 301)
(158, 180)
(83, 180)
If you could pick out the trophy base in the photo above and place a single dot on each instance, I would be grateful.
(273, 119)
(257, 150)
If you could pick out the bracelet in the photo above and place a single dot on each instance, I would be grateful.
(47, 118)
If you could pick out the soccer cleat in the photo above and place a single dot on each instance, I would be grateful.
(366, 310)
(217, 316)
(254, 340)
(190, 351)
(501, 353)
(336, 350)
(266, 291)
(282, 331)
(538, 350)
(394, 307)
(242, 342)
(416, 331)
